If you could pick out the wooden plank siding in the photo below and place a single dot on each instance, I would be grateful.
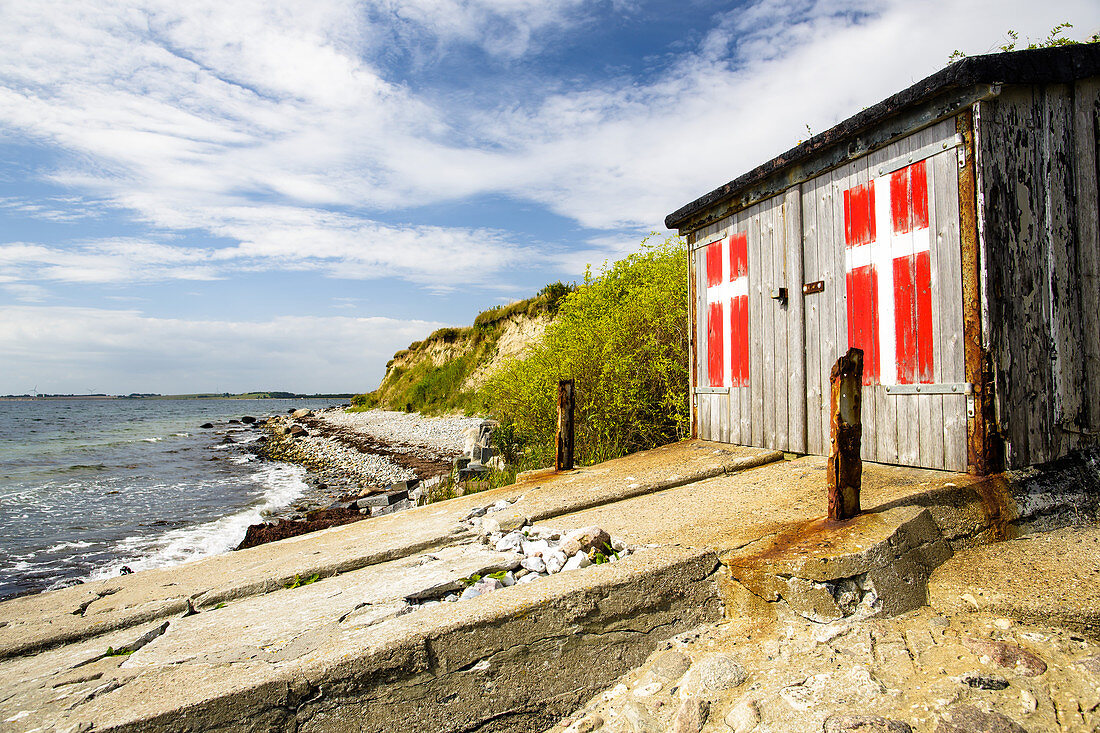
(796, 334)
(1037, 154)
(1038, 198)
(926, 430)
(1086, 124)
(798, 237)
(760, 414)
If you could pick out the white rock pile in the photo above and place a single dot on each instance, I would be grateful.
(537, 552)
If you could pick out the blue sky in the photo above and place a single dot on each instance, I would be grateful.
(212, 196)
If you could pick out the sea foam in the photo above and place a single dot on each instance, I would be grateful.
(282, 483)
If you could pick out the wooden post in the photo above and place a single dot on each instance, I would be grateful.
(563, 459)
(844, 472)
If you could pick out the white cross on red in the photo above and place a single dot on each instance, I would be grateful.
(888, 276)
(728, 311)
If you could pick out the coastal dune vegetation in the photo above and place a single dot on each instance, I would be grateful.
(621, 335)
(443, 373)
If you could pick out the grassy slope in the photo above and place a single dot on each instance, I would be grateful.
(428, 376)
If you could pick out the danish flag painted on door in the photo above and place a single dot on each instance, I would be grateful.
(728, 312)
(888, 276)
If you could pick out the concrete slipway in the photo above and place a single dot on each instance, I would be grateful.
(223, 644)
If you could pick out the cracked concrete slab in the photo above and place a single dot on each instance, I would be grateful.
(341, 653)
(32, 623)
(877, 562)
(1062, 568)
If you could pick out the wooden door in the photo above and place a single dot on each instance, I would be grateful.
(749, 355)
(882, 252)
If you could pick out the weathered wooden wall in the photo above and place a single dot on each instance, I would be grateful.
(926, 430)
(799, 237)
(767, 411)
(1038, 163)
(1038, 253)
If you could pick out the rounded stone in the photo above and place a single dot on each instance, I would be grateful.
(980, 681)
(670, 665)
(639, 718)
(969, 719)
(692, 716)
(721, 672)
(743, 717)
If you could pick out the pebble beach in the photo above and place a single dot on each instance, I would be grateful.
(349, 455)
(364, 450)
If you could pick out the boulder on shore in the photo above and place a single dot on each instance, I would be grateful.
(259, 534)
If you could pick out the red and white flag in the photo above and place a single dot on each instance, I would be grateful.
(888, 276)
(728, 312)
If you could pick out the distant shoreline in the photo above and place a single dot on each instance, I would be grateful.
(245, 396)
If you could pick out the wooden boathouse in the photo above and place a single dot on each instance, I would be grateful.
(951, 232)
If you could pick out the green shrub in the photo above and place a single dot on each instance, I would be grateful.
(622, 336)
(446, 335)
(363, 402)
(300, 581)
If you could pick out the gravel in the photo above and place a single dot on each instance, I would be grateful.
(441, 434)
(339, 466)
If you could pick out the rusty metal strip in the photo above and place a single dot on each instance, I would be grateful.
(692, 356)
(977, 438)
(941, 388)
(916, 156)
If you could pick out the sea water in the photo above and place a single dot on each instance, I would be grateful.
(88, 487)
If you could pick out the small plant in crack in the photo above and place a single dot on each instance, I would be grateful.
(299, 581)
(112, 652)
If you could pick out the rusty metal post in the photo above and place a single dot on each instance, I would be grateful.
(844, 471)
(563, 458)
(979, 451)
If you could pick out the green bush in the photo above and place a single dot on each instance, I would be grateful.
(362, 402)
(622, 337)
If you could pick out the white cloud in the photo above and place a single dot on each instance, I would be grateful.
(106, 261)
(280, 238)
(25, 292)
(53, 208)
(120, 351)
(254, 123)
(502, 28)
(626, 156)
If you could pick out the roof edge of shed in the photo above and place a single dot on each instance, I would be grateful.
(1037, 66)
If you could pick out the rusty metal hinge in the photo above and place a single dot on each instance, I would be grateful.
(942, 388)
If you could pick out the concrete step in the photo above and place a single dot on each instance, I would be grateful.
(33, 623)
(876, 563)
(344, 652)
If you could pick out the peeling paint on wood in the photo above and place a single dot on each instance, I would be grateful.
(1041, 266)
